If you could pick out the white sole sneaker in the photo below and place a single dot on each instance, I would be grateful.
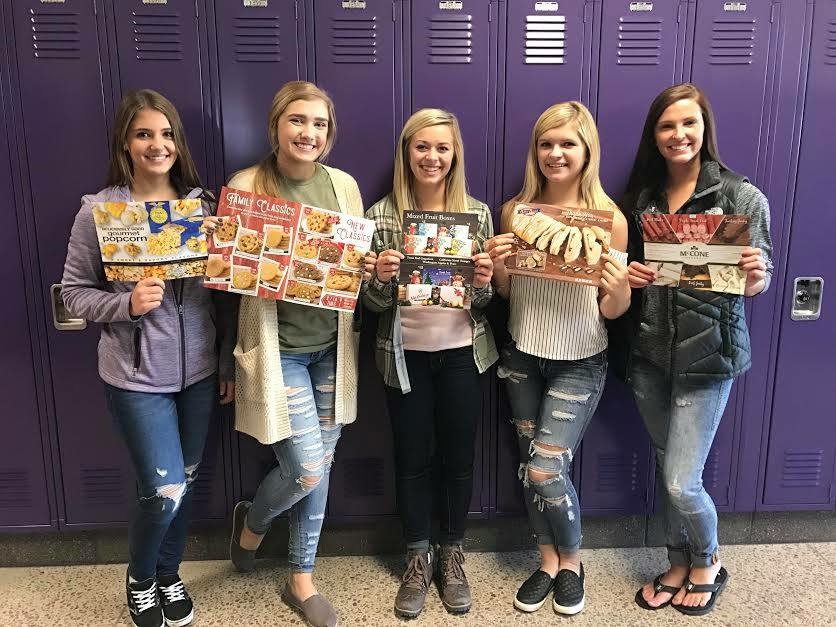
(569, 610)
(182, 622)
(526, 607)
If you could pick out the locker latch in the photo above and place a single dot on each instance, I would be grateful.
(807, 293)
(61, 318)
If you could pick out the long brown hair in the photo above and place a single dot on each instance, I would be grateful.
(649, 168)
(592, 193)
(455, 187)
(183, 173)
(267, 175)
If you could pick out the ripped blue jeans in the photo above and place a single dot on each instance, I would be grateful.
(681, 419)
(165, 435)
(552, 403)
(299, 482)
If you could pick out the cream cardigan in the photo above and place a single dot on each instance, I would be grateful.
(260, 399)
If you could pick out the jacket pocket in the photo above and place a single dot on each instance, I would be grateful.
(249, 371)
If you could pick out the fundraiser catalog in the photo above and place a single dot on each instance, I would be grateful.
(559, 243)
(283, 250)
(159, 239)
(437, 269)
(697, 251)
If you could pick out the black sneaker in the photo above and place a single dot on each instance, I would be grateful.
(534, 591)
(144, 602)
(568, 592)
(178, 609)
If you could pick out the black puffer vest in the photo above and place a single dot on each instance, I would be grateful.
(710, 336)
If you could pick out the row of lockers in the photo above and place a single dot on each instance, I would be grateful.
(64, 64)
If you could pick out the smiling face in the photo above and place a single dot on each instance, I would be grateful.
(679, 132)
(150, 144)
(303, 131)
(431, 154)
(561, 155)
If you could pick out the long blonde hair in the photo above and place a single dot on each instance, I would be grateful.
(268, 175)
(455, 184)
(560, 114)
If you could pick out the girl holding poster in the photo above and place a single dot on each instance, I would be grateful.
(157, 353)
(555, 362)
(682, 348)
(431, 357)
(296, 375)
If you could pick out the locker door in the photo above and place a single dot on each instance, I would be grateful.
(58, 47)
(735, 52)
(24, 498)
(451, 64)
(642, 50)
(159, 47)
(258, 51)
(801, 455)
(548, 59)
(356, 47)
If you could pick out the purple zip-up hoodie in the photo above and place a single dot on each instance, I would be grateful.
(167, 349)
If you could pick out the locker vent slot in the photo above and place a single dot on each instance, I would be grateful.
(157, 36)
(545, 39)
(202, 488)
(617, 473)
(354, 40)
(363, 477)
(55, 35)
(802, 468)
(711, 470)
(256, 40)
(103, 486)
(732, 42)
(639, 41)
(15, 489)
(451, 38)
(830, 47)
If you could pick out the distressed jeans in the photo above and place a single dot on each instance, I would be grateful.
(552, 403)
(299, 482)
(165, 435)
(681, 419)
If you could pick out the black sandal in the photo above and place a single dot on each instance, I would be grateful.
(658, 587)
(714, 588)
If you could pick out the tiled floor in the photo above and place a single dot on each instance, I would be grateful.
(784, 584)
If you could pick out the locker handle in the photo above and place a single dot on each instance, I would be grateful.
(807, 296)
(61, 318)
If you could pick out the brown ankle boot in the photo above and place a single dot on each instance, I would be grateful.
(455, 591)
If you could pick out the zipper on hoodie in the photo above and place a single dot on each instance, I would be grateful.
(178, 299)
(137, 347)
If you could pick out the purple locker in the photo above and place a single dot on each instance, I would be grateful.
(58, 46)
(737, 51)
(24, 498)
(642, 52)
(159, 47)
(357, 48)
(801, 454)
(548, 59)
(451, 61)
(258, 51)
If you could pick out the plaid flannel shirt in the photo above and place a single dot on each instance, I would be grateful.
(382, 297)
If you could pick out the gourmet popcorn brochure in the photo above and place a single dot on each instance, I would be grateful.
(697, 251)
(559, 243)
(159, 239)
(283, 250)
(437, 269)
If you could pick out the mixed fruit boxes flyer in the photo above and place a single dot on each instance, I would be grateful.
(437, 269)
(560, 243)
(160, 239)
(282, 250)
(696, 251)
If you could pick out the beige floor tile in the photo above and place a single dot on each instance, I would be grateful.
(763, 577)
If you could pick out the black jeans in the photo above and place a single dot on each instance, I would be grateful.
(442, 409)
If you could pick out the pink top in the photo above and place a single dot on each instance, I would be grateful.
(432, 329)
